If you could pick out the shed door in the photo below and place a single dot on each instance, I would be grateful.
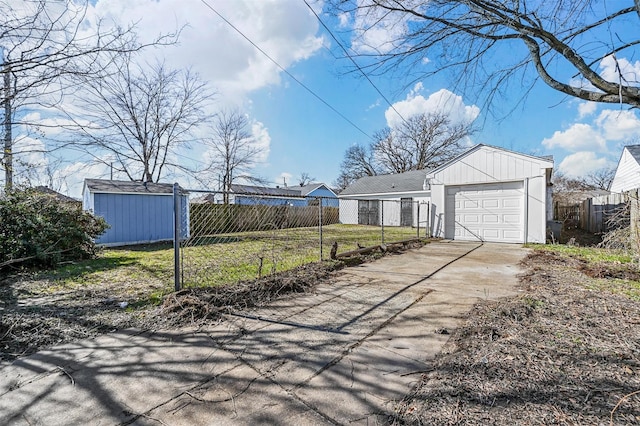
(485, 212)
(368, 212)
(406, 211)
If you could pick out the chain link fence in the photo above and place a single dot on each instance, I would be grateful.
(233, 237)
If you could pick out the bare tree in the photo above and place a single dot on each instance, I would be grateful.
(235, 151)
(422, 141)
(487, 43)
(41, 43)
(305, 179)
(136, 117)
(359, 161)
(600, 179)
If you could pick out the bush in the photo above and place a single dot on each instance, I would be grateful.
(40, 229)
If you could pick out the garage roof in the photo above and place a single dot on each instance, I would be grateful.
(411, 181)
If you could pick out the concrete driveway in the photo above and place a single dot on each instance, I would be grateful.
(340, 355)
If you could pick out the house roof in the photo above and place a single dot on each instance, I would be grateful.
(263, 190)
(307, 189)
(634, 150)
(55, 194)
(398, 182)
(127, 187)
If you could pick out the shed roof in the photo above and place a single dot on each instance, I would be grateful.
(398, 182)
(127, 187)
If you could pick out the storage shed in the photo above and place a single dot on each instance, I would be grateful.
(485, 194)
(137, 212)
(360, 202)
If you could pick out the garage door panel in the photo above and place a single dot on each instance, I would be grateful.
(487, 212)
(510, 203)
(512, 234)
(513, 219)
(490, 218)
(491, 233)
(470, 218)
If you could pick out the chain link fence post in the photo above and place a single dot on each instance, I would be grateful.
(418, 219)
(382, 220)
(176, 235)
(320, 224)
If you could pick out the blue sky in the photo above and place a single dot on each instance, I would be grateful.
(304, 135)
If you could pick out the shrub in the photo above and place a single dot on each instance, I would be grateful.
(40, 229)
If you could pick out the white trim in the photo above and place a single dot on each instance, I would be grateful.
(375, 194)
(131, 193)
(134, 243)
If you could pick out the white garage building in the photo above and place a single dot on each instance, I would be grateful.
(486, 194)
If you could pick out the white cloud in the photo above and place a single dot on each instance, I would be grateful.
(618, 125)
(284, 29)
(586, 109)
(285, 178)
(583, 162)
(578, 137)
(615, 69)
(344, 19)
(378, 31)
(609, 126)
(442, 101)
(376, 104)
(263, 140)
(71, 178)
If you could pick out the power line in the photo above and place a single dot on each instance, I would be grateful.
(354, 62)
(285, 71)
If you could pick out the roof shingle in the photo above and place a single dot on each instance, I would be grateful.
(399, 182)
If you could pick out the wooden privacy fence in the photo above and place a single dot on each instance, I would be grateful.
(596, 213)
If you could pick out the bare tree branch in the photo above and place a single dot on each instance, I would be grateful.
(235, 151)
(487, 43)
(139, 115)
(41, 44)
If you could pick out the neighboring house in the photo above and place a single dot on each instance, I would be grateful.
(137, 212)
(55, 194)
(291, 196)
(627, 175)
(485, 194)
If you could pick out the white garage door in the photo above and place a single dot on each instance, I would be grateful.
(485, 212)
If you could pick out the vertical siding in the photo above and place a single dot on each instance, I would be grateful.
(627, 175)
(135, 217)
(488, 165)
(329, 200)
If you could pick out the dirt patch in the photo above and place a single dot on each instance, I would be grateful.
(558, 354)
(621, 272)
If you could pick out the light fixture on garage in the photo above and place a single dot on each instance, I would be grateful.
(427, 184)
